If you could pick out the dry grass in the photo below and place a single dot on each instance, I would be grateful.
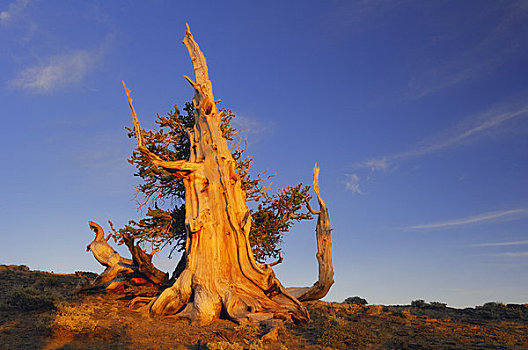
(224, 345)
(75, 319)
(38, 311)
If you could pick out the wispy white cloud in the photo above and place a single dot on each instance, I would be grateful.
(12, 11)
(352, 184)
(487, 123)
(478, 55)
(506, 215)
(493, 49)
(250, 127)
(353, 17)
(513, 254)
(479, 126)
(4, 17)
(451, 74)
(60, 70)
(47, 66)
(374, 164)
(499, 244)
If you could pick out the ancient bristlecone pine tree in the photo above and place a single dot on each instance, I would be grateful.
(221, 274)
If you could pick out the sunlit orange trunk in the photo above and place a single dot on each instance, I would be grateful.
(221, 272)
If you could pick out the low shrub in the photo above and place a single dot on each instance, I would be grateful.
(28, 299)
(333, 335)
(44, 322)
(438, 305)
(419, 303)
(355, 300)
(47, 281)
(492, 306)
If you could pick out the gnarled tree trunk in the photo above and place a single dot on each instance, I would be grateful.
(220, 273)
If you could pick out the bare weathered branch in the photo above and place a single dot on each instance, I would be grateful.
(324, 251)
(117, 267)
(135, 121)
(179, 168)
(144, 261)
(201, 73)
(203, 99)
(102, 251)
(314, 212)
(119, 271)
(278, 261)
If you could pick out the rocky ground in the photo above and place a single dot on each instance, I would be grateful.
(39, 311)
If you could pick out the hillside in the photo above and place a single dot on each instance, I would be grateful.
(39, 311)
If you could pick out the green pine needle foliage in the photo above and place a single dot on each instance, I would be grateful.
(164, 194)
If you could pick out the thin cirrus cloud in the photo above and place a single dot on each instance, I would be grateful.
(13, 10)
(482, 124)
(497, 45)
(51, 72)
(499, 244)
(505, 215)
(251, 127)
(480, 55)
(513, 254)
(57, 72)
(353, 17)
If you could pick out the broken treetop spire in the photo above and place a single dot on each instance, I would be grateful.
(201, 74)
(220, 270)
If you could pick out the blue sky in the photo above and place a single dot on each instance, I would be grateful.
(416, 112)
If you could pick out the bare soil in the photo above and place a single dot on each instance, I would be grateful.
(39, 311)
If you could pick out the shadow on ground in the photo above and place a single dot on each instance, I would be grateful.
(38, 310)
